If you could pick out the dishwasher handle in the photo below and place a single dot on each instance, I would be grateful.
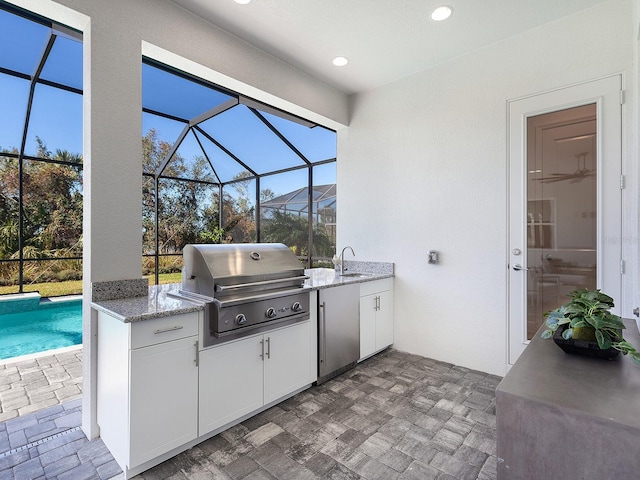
(323, 333)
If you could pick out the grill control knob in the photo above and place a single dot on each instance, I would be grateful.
(241, 319)
(270, 313)
(296, 307)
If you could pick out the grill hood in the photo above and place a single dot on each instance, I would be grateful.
(224, 270)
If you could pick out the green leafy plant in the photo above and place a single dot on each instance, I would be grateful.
(587, 317)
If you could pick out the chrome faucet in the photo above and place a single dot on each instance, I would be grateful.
(342, 269)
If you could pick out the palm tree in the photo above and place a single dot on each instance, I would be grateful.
(293, 231)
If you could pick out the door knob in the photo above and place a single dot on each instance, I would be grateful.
(517, 266)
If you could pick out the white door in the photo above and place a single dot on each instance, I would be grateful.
(384, 320)
(368, 305)
(286, 367)
(164, 398)
(231, 382)
(565, 201)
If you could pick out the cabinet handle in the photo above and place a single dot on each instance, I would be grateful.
(268, 347)
(378, 302)
(197, 359)
(170, 329)
(323, 324)
(262, 346)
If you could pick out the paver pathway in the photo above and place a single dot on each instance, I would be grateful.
(49, 445)
(27, 386)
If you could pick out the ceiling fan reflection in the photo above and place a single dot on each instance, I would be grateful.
(577, 176)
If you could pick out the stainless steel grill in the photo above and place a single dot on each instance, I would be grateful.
(246, 288)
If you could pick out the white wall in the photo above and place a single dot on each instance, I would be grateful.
(424, 166)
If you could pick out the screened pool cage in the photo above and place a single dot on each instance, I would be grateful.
(217, 166)
(40, 154)
(220, 167)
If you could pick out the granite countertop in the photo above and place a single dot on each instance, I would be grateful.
(154, 305)
(608, 389)
(320, 278)
(159, 303)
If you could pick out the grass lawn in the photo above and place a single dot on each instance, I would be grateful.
(49, 289)
(167, 278)
(74, 287)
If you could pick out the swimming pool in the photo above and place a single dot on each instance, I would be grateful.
(51, 325)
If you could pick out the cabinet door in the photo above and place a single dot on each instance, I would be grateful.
(163, 398)
(384, 320)
(286, 367)
(231, 382)
(367, 325)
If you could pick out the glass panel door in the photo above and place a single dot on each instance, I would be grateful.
(565, 202)
(561, 208)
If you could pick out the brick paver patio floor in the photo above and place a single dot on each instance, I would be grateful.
(29, 385)
(395, 416)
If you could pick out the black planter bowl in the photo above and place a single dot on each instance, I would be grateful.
(583, 347)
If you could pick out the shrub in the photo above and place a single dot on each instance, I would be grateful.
(44, 277)
(15, 279)
(65, 275)
(148, 266)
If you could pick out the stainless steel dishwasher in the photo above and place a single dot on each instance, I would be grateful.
(338, 330)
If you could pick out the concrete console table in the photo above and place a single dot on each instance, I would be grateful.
(562, 416)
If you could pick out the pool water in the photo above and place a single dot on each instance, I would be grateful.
(52, 325)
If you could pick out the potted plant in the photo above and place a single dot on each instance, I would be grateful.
(586, 326)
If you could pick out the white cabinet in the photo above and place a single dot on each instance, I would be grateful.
(286, 367)
(384, 319)
(159, 394)
(147, 386)
(163, 398)
(230, 382)
(241, 376)
(376, 316)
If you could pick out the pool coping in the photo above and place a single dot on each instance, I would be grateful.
(12, 297)
(60, 299)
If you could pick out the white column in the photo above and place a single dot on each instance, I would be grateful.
(112, 173)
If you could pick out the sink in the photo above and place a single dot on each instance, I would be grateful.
(354, 274)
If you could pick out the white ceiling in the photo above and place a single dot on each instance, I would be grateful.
(385, 40)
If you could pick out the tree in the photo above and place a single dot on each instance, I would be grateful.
(51, 211)
(9, 206)
(293, 230)
(187, 203)
(239, 210)
(51, 200)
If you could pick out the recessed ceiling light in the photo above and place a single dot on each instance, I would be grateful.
(242, 2)
(441, 13)
(340, 61)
